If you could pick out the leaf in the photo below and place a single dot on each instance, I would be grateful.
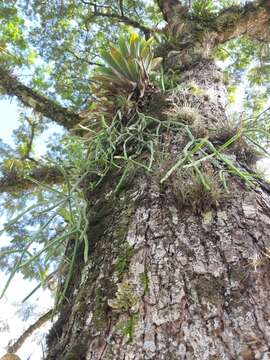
(65, 215)
(128, 68)
(133, 43)
(108, 57)
(123, 63)
(124, 48)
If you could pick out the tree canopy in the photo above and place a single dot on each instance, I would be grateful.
(52, 59)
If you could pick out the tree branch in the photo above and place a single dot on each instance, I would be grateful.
(92, 63)
(29, 142)
(126, 20)
(121, 7)
(13, 182)
(250, 20)
(94, 4)
(172, 9)
(29, 331)
(39, 103)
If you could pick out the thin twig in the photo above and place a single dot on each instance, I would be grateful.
(29, 331)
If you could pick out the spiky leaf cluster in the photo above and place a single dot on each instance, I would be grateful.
(127, 70)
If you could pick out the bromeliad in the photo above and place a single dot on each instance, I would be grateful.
(126, 72)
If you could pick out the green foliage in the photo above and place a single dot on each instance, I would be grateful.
(15, 51)
(117, 147)
(246, 63)
(13, 165)
(200, 189)
(166, 81)
(122, 149)
(56, 250)
(206, 9)
(232, 89)
(203, 9)
(171, 37)
(208, 151)
(127, 71)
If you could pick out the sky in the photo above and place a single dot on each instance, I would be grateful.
(20, 288)
(9, 118)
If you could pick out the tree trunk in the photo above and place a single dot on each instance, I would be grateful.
(175, 272)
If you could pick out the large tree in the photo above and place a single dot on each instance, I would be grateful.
(146, 217)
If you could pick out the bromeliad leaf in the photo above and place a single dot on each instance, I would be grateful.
(124, 79)
(128, 66)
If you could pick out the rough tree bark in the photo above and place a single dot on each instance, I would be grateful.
(171, 277)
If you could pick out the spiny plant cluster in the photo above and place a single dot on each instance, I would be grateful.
(125, 78)
(128, 66)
